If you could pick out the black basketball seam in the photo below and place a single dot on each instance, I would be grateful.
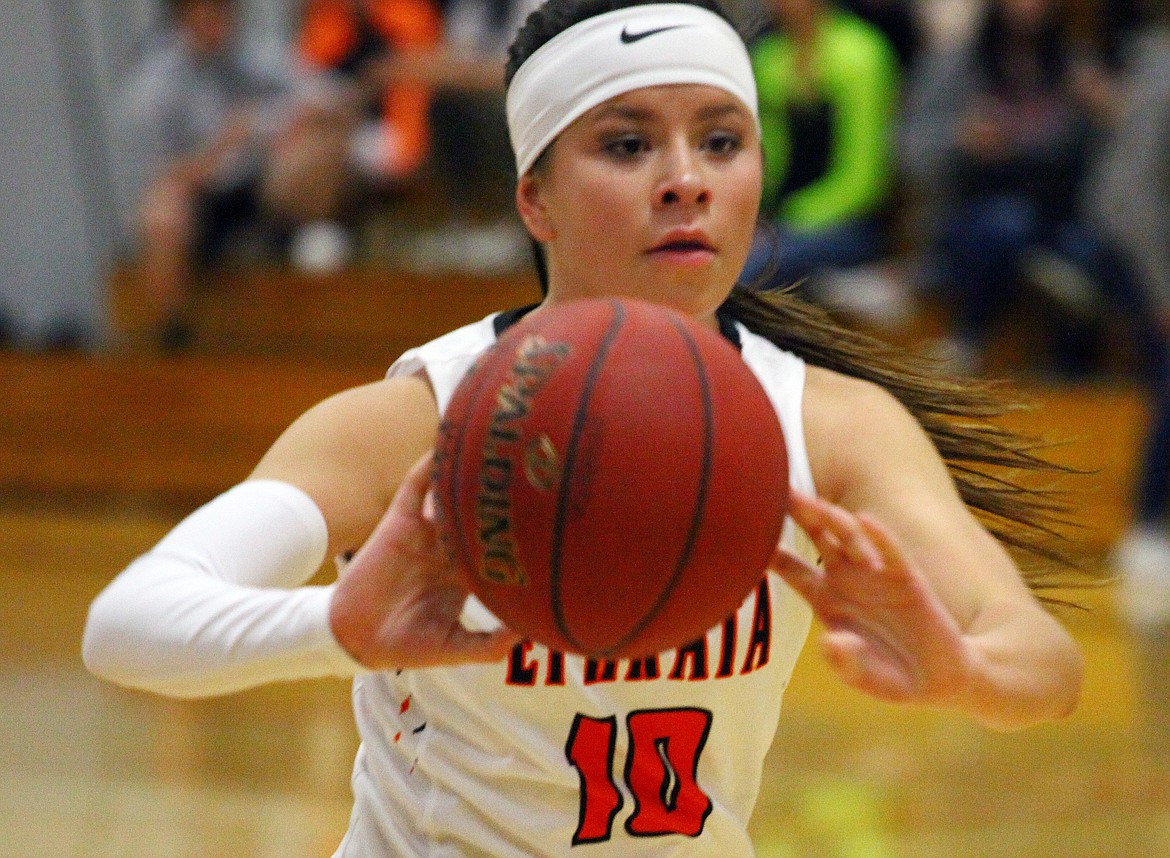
(619, 315)
(700, 499)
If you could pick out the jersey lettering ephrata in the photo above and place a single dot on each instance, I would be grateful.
(692, 662)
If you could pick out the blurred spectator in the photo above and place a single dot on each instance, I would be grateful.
(1020, 131)
(997, 138)
(366, 49)
(472, 149)
(213, 148)
(829, 89)
(1128, 195)
(428, 82)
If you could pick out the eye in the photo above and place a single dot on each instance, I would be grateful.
(625, 146)
(723, 142)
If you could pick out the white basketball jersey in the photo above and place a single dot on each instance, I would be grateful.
(553, 754)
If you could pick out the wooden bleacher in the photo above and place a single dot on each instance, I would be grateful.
(269, 345)
(179, 429)
(365, 316)
(173, 429)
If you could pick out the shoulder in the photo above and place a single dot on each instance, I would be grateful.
(762, 354)
(363, 422)
(770, 55)
(780, 372)
(469, 339)
(768, 43)
(848, 27)
(782, 375)
(861, 437)
(444, 361)
(840, 405)
(160, 70)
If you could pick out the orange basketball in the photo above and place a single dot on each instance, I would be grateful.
(611, 477)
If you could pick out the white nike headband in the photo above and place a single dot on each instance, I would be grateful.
(619, 51)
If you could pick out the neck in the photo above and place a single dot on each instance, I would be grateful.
(706, 318)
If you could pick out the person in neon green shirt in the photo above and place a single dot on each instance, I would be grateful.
(829, 88)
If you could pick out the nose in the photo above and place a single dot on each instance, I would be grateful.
(684, 181)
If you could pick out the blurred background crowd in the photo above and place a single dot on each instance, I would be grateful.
(999, 161)
(978, 154)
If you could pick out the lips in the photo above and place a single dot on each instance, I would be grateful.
(684, 241)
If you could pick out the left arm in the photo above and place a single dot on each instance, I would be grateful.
(920, 603)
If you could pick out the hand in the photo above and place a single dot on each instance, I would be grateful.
(886, 632)
(398, 603)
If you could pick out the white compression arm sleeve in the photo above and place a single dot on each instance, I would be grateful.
(206, 610)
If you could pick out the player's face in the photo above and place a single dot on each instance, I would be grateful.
(652, 194)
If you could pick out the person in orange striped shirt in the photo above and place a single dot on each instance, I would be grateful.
(372, 48)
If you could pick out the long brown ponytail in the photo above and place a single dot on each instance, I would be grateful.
(994, 467)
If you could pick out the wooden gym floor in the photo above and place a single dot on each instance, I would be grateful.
(99, 457)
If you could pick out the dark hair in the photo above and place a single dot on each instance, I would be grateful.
(988, 462)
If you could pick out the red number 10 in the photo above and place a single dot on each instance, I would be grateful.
(661, 768)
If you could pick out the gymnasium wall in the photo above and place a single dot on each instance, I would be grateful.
(60, 61)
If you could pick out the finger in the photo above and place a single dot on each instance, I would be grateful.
(836, 531)
(860, 666)
(842, 650)
(429, 507)
(809, 513)
(881, 535)
(852, 537)
(411, 494)
(884, 541)
(806, 579)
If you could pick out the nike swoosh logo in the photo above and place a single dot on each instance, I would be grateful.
(630, 38)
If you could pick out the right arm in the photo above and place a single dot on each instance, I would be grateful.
(219, 604)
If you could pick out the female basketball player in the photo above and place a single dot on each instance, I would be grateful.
(637, 144)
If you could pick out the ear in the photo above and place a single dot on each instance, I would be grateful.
(530, 204)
